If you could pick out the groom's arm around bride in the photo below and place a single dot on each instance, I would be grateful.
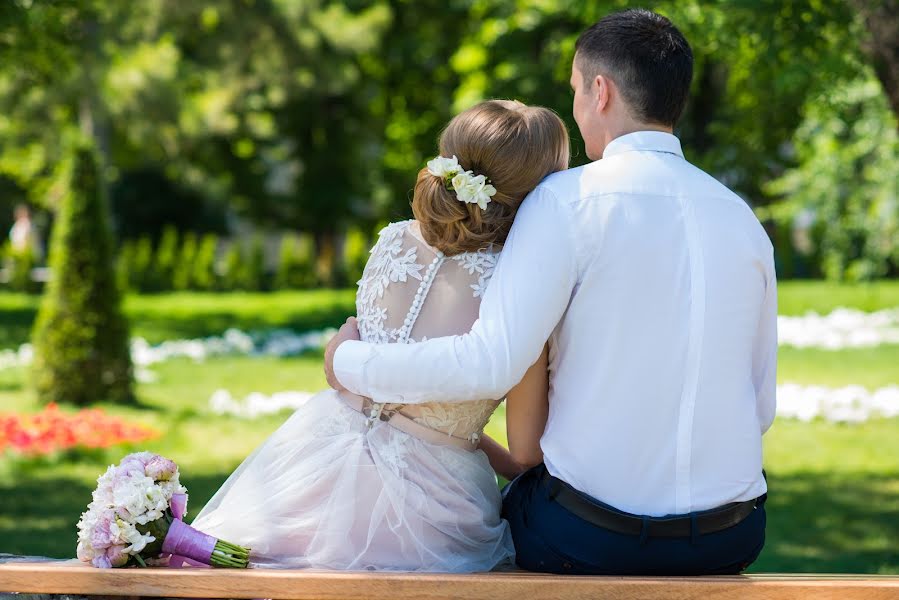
(655, 287)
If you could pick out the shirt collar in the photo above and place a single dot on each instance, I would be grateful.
(646, 141)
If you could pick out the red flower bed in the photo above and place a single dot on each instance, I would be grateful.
(51, 431)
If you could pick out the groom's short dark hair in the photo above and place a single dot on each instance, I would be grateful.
(646, 56)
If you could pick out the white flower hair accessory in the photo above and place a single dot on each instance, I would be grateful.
(469, 188)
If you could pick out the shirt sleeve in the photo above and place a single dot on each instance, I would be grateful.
(526, 298)
(764, 355)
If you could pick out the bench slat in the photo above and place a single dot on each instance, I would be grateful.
(71, 578)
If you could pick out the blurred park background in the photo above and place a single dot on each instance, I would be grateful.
(191, 189)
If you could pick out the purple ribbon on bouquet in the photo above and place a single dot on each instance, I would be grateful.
(186, 545)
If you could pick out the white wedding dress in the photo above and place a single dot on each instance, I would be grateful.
(336, 488)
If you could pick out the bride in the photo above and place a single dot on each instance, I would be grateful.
(348, 483)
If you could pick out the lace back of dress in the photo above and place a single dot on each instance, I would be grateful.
(410, 292)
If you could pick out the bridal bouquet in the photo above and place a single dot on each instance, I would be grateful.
(136, 518)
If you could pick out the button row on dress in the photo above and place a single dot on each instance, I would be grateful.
(420, 294)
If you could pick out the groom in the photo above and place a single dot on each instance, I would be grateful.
(655, 287)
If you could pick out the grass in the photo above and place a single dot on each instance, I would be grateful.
(834, 503)
(800, 297)
(190, 315)
(834, 498)
(870, 367)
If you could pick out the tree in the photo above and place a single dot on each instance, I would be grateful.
(844, 186)
(81, 335)
(882, 46)
(315, 116)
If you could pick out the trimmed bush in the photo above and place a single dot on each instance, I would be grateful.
(141, 273)
(355, 256)
(254, 277)
(204, 277)
(296, 266)
(80, 335)
(163, 271)
(125, 267)
(244, 268)
(184, 266)
(232, 268)
(19, 265)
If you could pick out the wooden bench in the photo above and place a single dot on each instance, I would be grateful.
(70, 577)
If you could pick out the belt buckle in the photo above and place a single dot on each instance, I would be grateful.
(375, 412)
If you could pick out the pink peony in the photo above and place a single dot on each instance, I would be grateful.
(136, 462)
(101, 562)
(117, 556)
(161, 468)
(84, 553)
(101, 534)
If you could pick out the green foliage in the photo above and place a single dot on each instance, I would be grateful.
(81, 336)
(233, 267)
(846, 181)
(125, 266)
(244, 266)
(254, 278)
(184, 267)
(163, 269)
(324, 124)
(355, 255)
(203, 268)
(296, 264)
(19, 266)
(193, 268)
(141, 275)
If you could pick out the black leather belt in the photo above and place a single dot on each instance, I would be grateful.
(678, 526)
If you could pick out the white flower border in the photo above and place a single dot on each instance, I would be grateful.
(849, 404)
(843, 328)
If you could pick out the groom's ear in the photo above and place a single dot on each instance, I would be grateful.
(603, 87)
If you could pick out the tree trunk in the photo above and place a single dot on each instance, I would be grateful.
(91, 116)
(881, 18)
(325, 256)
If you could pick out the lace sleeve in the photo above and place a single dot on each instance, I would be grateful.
(392, 266)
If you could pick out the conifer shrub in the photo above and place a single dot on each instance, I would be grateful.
(81, 335)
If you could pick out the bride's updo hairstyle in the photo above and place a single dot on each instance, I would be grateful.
(515, 146)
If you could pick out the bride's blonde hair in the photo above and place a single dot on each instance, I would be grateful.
(515, 146)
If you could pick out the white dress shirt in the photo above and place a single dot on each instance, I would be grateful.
(655, 285)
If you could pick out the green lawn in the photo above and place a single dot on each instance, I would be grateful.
(190, 315)
(166, 316)
(834, 502)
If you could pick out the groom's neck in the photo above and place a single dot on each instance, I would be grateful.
(632, 126)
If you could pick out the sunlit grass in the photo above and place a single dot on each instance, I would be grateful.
(800, 297)
(189, 315)
(869, 367)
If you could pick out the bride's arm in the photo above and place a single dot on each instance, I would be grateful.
(527, 407)
(500, 459)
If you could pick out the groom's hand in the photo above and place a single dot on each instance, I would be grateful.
(348, 331)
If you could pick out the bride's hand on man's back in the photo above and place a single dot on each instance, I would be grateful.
(348, 331)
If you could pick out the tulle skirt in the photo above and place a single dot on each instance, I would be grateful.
(326, 491)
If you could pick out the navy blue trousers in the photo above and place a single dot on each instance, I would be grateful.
(550, 539)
